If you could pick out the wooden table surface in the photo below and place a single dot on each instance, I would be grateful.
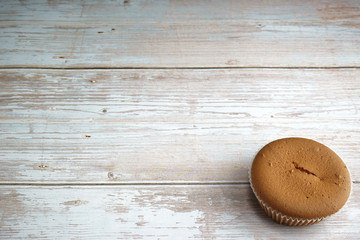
(140, 119)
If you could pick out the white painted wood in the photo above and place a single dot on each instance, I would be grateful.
(148, 126)
(155, 212)
(172, 127)
(165, 33)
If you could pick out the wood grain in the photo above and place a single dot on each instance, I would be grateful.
(111, 34)
(178, 126)
(150, 153)
(156, 212)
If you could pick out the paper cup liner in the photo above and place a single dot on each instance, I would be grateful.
(280, 217)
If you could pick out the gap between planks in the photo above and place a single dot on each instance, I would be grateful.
(165, 68)
(130, 183)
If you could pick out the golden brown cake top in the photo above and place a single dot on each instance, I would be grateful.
(300, 178)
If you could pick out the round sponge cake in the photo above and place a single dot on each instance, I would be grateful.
(299, 181)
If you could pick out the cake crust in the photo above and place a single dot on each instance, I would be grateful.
(300, 178)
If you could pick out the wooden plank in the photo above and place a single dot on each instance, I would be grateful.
(164, 33)
(156, 212)
(128, 126)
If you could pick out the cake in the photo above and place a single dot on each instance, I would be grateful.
(299, 181)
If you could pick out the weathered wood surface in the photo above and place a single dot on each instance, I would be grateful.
(150, 153)
(155, 212)
(146, 126)
(187, 33)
